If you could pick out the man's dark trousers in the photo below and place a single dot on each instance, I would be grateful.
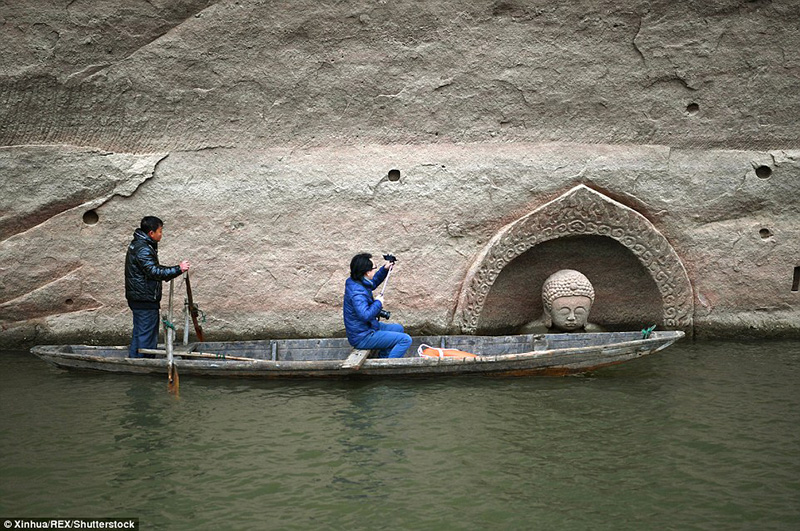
(145, 332)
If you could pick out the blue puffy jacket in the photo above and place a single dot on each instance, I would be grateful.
(360, 310)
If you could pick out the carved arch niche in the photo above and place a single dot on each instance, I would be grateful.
(621, 252)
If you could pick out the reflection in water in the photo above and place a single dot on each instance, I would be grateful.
(139, 418)
(704, 435)
(368, 413)
(142, 438)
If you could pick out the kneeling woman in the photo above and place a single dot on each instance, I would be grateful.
(361, 310)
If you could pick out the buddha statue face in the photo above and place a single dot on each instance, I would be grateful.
(569, 313)
(567, 296)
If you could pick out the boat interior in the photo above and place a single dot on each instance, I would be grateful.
(340, 349)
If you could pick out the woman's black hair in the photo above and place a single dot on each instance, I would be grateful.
(359, 265)
(150, 224)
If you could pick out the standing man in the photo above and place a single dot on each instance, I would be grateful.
(143, 278)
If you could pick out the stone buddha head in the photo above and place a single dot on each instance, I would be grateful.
(567, 296)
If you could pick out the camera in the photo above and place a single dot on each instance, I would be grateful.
(384, 314)
(390, 258)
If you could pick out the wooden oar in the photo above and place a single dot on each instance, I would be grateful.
(172, 371)
(192, 308)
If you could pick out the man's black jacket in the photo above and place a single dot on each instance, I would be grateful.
(143, 274)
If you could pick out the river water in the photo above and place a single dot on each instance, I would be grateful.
(703, 435)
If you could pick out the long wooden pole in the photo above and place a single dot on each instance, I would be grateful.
(203, 355)
(185, 321)
(172, 371)
(192, 308)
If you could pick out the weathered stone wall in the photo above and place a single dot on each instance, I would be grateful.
(263, 133)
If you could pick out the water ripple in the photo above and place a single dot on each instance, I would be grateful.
(702, 437)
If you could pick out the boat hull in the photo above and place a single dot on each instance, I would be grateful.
(551, 354)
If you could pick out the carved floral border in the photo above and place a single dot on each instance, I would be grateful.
(579, 212)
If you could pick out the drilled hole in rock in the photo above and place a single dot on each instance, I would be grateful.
(90, 217)
(69, 302)
(765, 233)
(394, 175)
(796, 279)
(692, 108)
(763, 172)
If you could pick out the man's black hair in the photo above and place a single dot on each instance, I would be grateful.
(359, 266)
(150, 224)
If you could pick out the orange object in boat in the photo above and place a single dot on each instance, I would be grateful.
(433, 352)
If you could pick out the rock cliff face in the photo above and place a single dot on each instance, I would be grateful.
(652, 145)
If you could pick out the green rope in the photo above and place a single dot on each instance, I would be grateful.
(201, 313)
(167, 324)
(646, 331)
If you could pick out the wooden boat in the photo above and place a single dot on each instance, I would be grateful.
(517, 355)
